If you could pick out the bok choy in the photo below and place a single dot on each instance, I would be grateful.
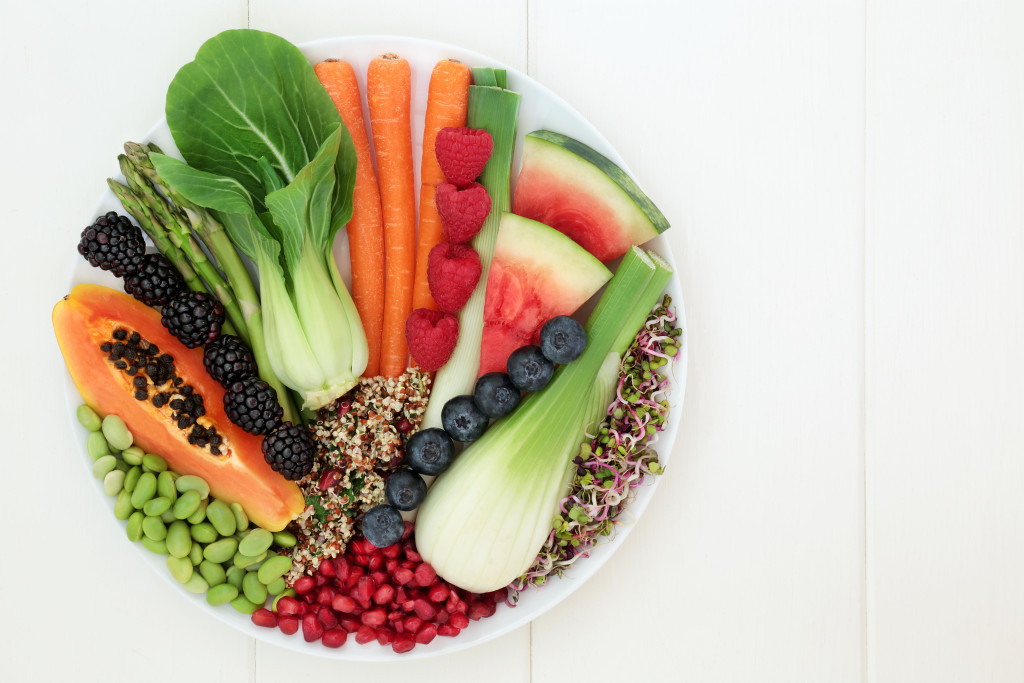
(487, 517)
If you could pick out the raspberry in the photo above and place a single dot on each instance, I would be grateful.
(431, 336)
(452, 272)
(462, 212)
(463, 153)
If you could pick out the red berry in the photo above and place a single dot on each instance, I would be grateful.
(462, 212)
(462, 153)
(431, 336)
(452, 272)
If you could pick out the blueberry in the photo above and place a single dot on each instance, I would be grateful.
(462, 419)
(405, 489)
(430, 451)
(383, 526)
(562, 339)
(495, 394)
(529, 369)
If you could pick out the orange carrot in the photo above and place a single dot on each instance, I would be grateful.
(388, 93)
(365, 229)
(447, 100)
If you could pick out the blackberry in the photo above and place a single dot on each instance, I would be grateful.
(228, 360)
(252, 405)
(113, 243)
(155, 282)
(290, 451)
(193, 317)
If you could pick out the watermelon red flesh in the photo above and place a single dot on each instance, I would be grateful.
(536, 273)
(572, 188)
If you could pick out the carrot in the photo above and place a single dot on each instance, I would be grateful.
(388, 93)
(365, 228)
(447, 100)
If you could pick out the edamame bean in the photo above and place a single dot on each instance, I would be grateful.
(116, 432)
(204, 533)
(199, 515)
(104, 466)
(154, 463)
(257, 541)
(88, 418)
(165, 486)
(218, 595)
(221, 518)
(195, 554)
(96, 446)
(156, 506)
(167, 516)
(123, 505)
(246, 561)
(134, 527)
(144, 489)
(241, 519)
(236, 575)
(132, 478)
(276, 587)
(197, 584)
(274, 568)
(132, 455)
(156, 547)
(190, 482)
(180, 568)
(288, 593)
(254, 590)
(122, 466)
(179, 540)
(222, 550)
(154, 528)
(212, 572)
(244, 605)
(187, 503)
(285, 539)
(113, 483)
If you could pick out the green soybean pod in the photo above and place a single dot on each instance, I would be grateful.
(165, 486)
(132, 479)
(144, 489)
(180, 568)
(190, 482)
(113, 483)
(154, 528)
(236, 575)
(88, 418)
(245, 561)
(241, 519)
(134, 526)
(220, 551)
(132, 455)
(104, 466)
(218, 595)
(123, 505)
(197, 584)
(257, 541)
(213, 572)
(274, 568)
(253, 589)
(187, 503)
(204, 532)
(179, 539)
(153, 546)
(287, 593)
(96, 446)
(221, 517)
(244, 605)
(195, 554)
(276, 587)
(154, 463)
(116, 432)
(199, 515)
(285, 539)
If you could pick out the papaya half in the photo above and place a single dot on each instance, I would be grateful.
(125, 363)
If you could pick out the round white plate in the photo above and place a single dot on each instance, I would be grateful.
(540, 108)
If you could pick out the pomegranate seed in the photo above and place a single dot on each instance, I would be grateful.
(325, 595)
(366, 634)
(327, 617)
(395, 615)
(499, 595)
(327, 568)
(335, 637)
(341, 568)
(425, 575)
(288, 624)
(413, 556)
(480, 609)
(424, 609)
(343, 603)
(364, 589)
(311, 628)
(264, 617)
(447, 630)
(380, 577)
(328, 479)
(289, 606)
(459, 620)
(385, 636)
(383, 595)
(360, 559)
(343, 407)
(442, 617)
(403, 643)
(409, 605)
(408, 564)
(374, 617)
(304, 584)
(390, 565)
(403, 425)
(400, 595)
(438, 592)
(412, 623)
(402, 576)
(392, 552)
(426, 634)
(376, 562)
(350, 624)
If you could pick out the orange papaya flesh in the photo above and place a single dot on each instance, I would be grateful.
(227, 457)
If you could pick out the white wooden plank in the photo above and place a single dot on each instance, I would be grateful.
(945, 253)
(744, 121)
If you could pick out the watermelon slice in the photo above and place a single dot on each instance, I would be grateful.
(577, 191)
(536, 273)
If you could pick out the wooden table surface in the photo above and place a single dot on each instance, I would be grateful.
(844, 179)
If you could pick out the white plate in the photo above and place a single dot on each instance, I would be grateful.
(540, 108)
